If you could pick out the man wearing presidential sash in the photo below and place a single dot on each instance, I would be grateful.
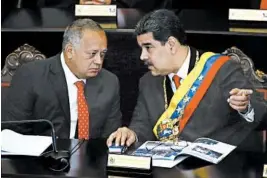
(188, 93)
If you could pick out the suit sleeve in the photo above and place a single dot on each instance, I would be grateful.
(19, 101)
(140, 122)
(232, 76)
(113, 121)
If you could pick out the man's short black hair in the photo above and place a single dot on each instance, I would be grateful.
(162, 23)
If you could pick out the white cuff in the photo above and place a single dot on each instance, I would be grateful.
(136, 138)
(249, 115)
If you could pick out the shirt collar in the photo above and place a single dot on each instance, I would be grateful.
(183, 71)
(70, 77)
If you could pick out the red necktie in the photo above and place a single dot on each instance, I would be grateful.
(263, 4)
(176, 80)
(83, 112)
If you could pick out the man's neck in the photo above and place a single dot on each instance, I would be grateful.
(181, 56)
(69, 64)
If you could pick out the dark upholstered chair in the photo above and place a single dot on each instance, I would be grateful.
(258, 78)
(14, 60)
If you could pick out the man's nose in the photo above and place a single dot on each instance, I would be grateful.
(144, 55)
(98, 59)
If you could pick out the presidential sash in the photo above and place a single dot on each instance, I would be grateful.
(187, 97)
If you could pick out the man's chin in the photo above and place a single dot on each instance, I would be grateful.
(157, 73)
(154, 73)
(91, 74)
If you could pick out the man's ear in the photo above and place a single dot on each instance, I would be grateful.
(69, 51)
(172, 43)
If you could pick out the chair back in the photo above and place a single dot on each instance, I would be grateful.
(14, 60)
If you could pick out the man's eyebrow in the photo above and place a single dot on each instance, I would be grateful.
(91, 51)
(95, 50)
(146, 44)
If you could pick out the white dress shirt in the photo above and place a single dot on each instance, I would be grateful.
(72, 92)
(182, 73)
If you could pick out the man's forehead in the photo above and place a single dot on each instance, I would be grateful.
(94, 38)
(145, 39)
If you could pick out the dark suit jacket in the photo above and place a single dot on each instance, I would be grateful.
(39, 91)
(212, 118)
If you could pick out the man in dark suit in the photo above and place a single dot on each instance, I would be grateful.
(70, 89)
(214, 99)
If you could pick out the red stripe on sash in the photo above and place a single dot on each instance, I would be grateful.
(192, 105)
(5, 84)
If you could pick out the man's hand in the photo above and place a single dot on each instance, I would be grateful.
(121, 136)
(239, 99)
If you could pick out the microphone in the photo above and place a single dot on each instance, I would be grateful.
(56, 160)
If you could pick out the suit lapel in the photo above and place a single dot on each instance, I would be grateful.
(92, 89)
(58, 81)
(169, 89)
(158, 96)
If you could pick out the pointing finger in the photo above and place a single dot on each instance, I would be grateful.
(234, 91)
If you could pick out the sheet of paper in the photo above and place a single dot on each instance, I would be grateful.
(168, 163)
(209, 150)
(17, 144)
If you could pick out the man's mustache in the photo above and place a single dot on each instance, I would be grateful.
(147, 63)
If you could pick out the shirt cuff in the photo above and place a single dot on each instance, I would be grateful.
(136, 138)
(249, 115)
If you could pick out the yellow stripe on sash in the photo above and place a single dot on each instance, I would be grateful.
(184, 88)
